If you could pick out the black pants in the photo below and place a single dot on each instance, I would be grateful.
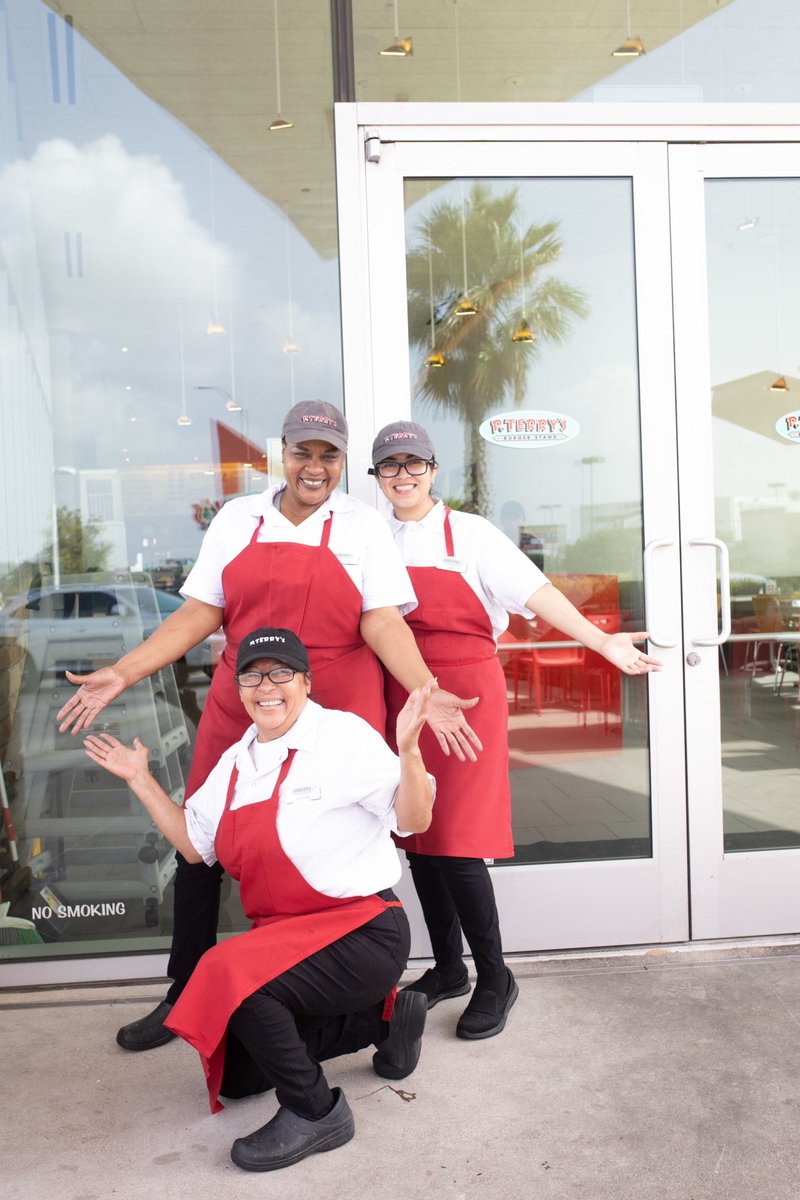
(196, 912)
(456, 895)
(328, 1004)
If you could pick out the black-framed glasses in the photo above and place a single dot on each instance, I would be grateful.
(256, 678)
(389, 468)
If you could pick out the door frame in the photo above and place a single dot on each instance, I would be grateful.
(368, 134)
(746, 893)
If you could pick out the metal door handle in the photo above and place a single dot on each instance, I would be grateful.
(724, 592)
(649, 550)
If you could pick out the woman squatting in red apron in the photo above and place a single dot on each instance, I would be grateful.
(300, 810)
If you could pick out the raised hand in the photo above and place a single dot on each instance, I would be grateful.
(123, 761)
(619, 649)
(96, 691)
(412, 718)
(447, 720)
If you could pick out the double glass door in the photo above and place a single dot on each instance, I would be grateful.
(598, 353)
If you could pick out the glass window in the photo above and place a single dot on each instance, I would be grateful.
(694, 51)
(168, 288)
(753, 238)
(522, 325)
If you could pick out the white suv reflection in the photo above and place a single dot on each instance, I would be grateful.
(78, 612)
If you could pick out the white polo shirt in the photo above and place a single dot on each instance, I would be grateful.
(500, 575)
(359, 539)
(335, 808)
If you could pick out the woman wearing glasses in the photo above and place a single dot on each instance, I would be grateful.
(301, 554)
(468, 576)
(300, 811)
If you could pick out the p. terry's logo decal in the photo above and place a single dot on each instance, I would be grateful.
(788, 426)
(530, 429)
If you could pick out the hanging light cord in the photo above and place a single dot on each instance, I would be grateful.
(776, 258)
(430, 286)
(464, 237)
(458, 51)
(396, 23)
(522, 276)
(277, 57)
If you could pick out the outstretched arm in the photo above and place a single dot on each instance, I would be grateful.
(412, 804)
(181, 630)
(618, 648)
(130, 764)
(391, 640)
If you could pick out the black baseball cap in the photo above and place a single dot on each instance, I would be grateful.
(269, 642)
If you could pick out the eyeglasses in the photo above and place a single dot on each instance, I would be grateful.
(389, 468)
(248, 679)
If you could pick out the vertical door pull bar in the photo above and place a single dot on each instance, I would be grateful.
(724, 592)
(649, 550)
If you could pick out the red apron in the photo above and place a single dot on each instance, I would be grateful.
(291, 921)
(472, 812)
(305, 589)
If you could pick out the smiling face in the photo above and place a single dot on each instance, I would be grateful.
(312, 470)
(274, 707)
(409, 495)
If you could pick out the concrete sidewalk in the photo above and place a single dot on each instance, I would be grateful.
(668, 1074)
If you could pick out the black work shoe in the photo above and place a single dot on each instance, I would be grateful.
(435, 986)
(288, 1138)
(398, 1054)
(487, 1011)
(148, 1032)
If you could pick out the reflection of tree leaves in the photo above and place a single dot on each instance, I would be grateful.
(79, 546)
(483, 368)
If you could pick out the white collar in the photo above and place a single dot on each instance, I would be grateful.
(262, 505)
(433, 521)
(302, 736)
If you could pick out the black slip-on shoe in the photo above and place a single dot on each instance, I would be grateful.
(435, 987)
(288, 1138)
(398, 1054)
(148, 1032)
(487, 1011)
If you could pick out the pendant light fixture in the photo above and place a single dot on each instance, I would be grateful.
(434, 359)
(522, 334)
(401, 47)
(465, 306)
(184, 419)
(279, 122)
(632, 47)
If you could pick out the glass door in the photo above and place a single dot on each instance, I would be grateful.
(515, 299)
(736, 213)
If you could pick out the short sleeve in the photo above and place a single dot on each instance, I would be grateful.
(219, 546)
(386, 581)
(203, 810)
(505, 573)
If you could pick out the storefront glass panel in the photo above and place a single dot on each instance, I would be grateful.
(168, 288)
(603, 51)
(532, 398)
(753, 270)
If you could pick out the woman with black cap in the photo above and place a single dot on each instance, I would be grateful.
(468, 576)
(300, 811)
(304, 555)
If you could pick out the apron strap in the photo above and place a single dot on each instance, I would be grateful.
(448, 534)
(254, 538)
(326, 532)
(284, 771)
